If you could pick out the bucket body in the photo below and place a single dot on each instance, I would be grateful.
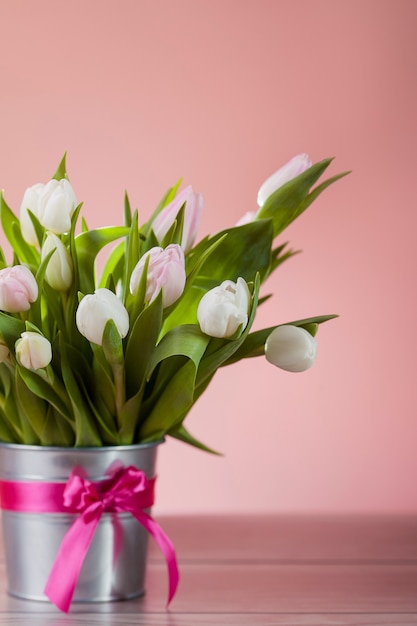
(114, 567)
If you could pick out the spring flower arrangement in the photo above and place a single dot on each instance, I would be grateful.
(121, 358)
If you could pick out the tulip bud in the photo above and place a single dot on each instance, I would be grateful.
(95, 310)
(222, 310)
(192, 214)
(33, 351)
(291, 348)
(53, 204)
(166, 271)
(59, 270)
(18, 288)
(247, 218)
(297, 165)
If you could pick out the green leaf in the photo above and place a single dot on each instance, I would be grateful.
(36, 412)
(37, 384)
(61, 171)
(244, 252)
(179, 432)
(141, 345)
(39, 229)
(186, 340)
(114, 267)
(23, 252)
(172, 404)
(129, 418)
(127, 211)
(287, 202)
(112, 344)
(87, 246)
(96, 390)
(319, 189)
(254, 344)
(179, 354)
(85, 426)
(10, 329)
(132, 253)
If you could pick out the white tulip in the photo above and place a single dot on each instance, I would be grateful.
(33, 351)
(247, 218)
(291, 348)
(53, 204)
(95, 310)
(59, 271)
(222, 310)
(297, 165)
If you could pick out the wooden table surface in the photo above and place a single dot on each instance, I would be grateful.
(298, 571)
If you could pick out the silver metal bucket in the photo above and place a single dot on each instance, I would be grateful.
(32, 540)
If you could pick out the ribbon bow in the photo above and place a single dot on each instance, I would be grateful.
(128, 489)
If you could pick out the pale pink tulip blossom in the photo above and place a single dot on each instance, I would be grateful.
(192, 214)
(18, 289)
(291, 348)
(33, 351)
(166, 271)
(297, 165)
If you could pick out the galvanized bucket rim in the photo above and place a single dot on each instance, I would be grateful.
(33, 448)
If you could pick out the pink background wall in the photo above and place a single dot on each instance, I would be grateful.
(142, 92)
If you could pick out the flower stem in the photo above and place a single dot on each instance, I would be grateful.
(119, 384)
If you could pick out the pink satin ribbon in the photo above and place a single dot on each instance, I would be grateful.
(128, 489)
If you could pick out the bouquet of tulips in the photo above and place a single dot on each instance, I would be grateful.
(120, 356)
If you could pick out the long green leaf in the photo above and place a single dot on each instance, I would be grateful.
(144, 333)
(254, 344)
(88, 245)
(286, 203)
(179, 432)
(61, 171)
(85, 426)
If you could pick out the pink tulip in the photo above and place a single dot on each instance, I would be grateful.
(297, 165)
(192, 214)
(18, 288)
(166, 271)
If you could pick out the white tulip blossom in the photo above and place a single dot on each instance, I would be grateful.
(59, 271)
(53, 204)
(297, 165)
(222, 310)
(95, 310)
(33, 351)
(291, 348)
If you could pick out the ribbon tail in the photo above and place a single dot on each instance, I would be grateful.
(166, 546)
(63, 578)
